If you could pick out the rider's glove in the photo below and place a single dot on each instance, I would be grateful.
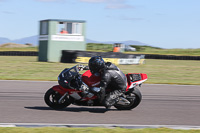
(82, 67)
(96, 89)
(86, 68)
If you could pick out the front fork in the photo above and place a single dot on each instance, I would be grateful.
(64, 92)
(61, 99)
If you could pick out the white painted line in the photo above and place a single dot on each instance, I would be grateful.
(183, 127)
(7, 125)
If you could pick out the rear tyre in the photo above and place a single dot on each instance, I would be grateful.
(135, 100)
(52, 97)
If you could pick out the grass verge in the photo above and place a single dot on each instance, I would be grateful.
(35, 49)
(177, 52)
(109, 47)
(158, 71)
(90, 130)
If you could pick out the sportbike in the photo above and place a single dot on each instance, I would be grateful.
(82, 90)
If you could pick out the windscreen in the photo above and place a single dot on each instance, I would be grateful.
(69, 72)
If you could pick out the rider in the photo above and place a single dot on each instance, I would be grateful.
(111, 78)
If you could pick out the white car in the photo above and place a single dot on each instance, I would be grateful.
(129, 48)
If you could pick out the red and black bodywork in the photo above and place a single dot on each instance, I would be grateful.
(70, 81)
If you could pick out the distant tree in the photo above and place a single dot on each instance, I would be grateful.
(29, 44)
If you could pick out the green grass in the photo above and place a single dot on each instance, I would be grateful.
(155, 50)
(158, 71)
(140, 50)
(28, 68)
(99, 47)
(91, 130)
(145, 50)
(19, 49)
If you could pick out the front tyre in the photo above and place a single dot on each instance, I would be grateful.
(52, 97)
(134, 98)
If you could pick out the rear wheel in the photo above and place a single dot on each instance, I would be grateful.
(52, 97)
(134, 98)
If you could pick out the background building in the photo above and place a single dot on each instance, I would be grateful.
(57, 35)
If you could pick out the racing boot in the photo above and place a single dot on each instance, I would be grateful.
(101, 96)
(112, 98)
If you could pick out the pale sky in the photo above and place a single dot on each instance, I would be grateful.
(161, 23)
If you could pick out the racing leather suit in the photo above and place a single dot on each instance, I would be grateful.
(111, 78)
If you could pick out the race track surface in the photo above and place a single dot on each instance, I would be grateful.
(22, 102)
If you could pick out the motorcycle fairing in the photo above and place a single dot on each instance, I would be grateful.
(62, 90)
(141, 77)
(71, 92)
(89, 98)
(90, 79)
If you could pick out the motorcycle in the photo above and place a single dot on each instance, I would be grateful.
(82, 90)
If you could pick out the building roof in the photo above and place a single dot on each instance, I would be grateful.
(64, 20)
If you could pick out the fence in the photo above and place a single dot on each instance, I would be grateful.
(72, 54)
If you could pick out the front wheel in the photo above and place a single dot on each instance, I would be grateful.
(134, 98)
(52, 97)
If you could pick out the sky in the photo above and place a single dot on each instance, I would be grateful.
(160, 23)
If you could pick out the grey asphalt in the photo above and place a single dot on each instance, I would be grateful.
(22, 102)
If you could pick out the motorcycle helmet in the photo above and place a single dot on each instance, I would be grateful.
(96, 63)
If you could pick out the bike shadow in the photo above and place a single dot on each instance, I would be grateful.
(75, 109)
